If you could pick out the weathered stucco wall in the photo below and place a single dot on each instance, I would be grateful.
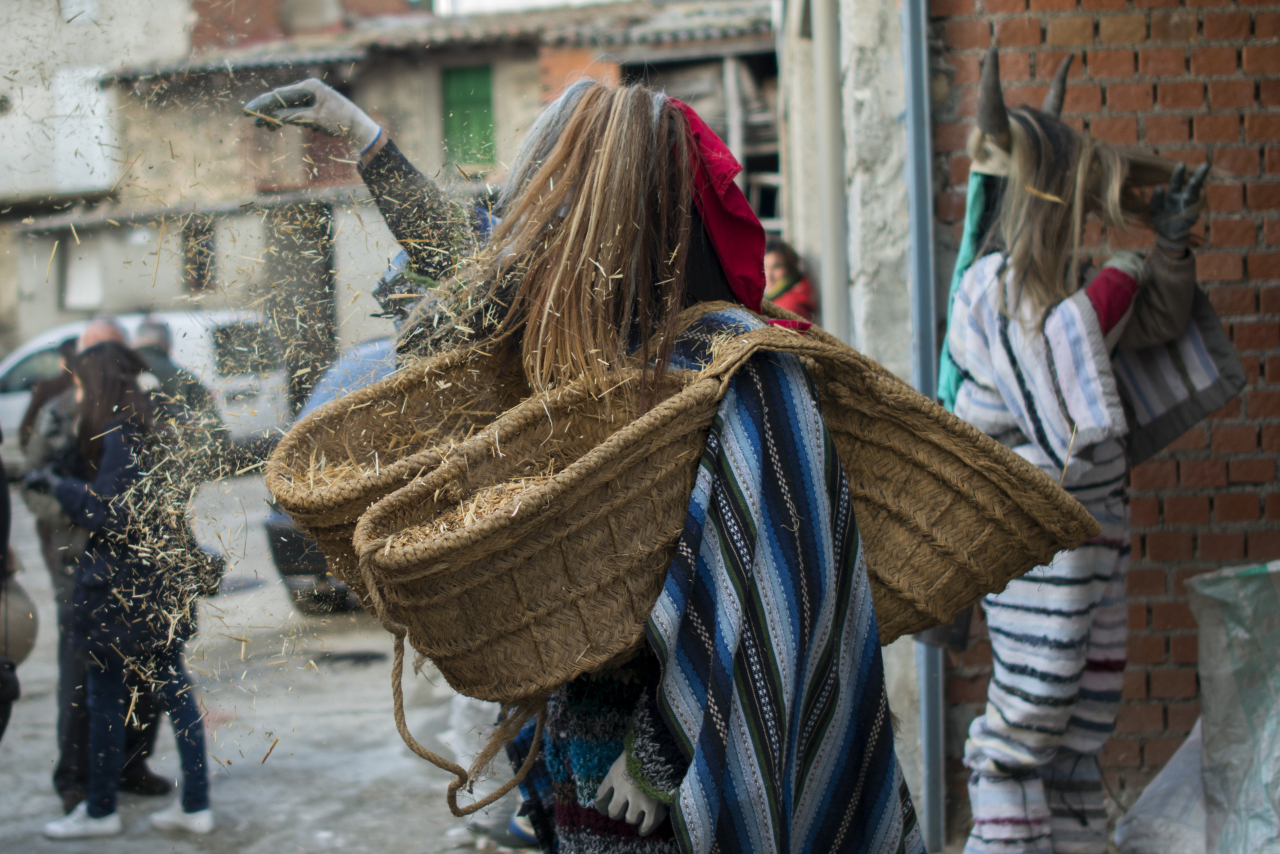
(802, 227)
(184, 146)
(181, 143)
(875, 152)
(404, 97)
(57, 127)
(55, 137)
(517, 103)
(37, 306)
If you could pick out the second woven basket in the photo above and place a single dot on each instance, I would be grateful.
(347, 454)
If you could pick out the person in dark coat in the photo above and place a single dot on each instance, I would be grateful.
(52, 442)
(133, 606)
(194, 431)
(179, 391)
(9, 688)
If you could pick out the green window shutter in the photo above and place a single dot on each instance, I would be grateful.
(468, 115)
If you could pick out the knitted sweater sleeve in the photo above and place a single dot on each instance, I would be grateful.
(654, 760)
(426, 224)
(1162, 309)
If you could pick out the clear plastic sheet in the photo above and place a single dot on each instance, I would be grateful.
(1238, 610)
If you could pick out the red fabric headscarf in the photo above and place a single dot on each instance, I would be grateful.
(733, 228)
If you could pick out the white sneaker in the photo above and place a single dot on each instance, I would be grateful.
(174, 817)
(78, 824)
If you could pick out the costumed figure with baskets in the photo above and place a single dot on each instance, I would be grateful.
(665, 524)
(1084, 373)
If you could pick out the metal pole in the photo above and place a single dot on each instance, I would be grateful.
(924, 361)
(833, 203)
(933, 795)
(915, 54)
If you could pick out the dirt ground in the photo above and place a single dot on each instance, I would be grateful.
(304, 751)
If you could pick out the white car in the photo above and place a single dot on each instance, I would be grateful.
(234, 353)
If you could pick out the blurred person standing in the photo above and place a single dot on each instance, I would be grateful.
(47, 429)
(178, 391)
(785, 283)
(52, 443)
(17, 615)
(134, 605)
(46, 390)
(196, 438)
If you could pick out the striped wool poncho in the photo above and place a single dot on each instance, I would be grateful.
(769, 679)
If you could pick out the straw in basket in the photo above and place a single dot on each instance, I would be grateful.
(347, 454)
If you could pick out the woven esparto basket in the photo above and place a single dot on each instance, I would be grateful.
(514, 598)
(383, 436)
(515, 601)
(523, 599)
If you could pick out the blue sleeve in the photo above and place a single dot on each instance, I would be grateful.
(89, 504)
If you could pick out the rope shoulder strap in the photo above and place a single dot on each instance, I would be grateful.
(462, 777)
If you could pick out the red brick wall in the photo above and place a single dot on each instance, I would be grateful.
(372, 8)
(558, 67)
(1188, 79)
(223, 23)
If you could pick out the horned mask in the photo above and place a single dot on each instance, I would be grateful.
(993, 116)
(992, 151)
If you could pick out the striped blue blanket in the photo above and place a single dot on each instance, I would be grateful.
(772, 681)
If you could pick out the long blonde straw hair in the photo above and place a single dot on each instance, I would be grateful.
(1057, 177)
(585, 271)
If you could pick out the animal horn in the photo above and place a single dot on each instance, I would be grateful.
(1058, 88)
(993, 118)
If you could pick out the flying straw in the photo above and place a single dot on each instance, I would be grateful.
(50, 265)
(1070, 445)
(269, 749)
(1040, 194)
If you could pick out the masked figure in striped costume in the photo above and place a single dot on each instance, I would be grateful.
(1084, 373)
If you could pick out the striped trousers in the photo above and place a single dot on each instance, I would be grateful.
(1058, 644)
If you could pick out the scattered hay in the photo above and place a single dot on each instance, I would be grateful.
(441, 408)
(505, 498)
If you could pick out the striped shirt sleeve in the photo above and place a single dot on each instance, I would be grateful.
(1046, 383)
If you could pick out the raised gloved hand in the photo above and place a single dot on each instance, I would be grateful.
(42, 480)
(1173, 212)
(310, 103)
(622, 800)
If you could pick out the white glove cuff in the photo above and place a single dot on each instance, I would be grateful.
(365, 133)
(1129, 263)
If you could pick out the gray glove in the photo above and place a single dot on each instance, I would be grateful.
(621, 799)
(314, 105)
(1175, 211)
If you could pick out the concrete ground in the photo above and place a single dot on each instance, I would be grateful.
(304, 752)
